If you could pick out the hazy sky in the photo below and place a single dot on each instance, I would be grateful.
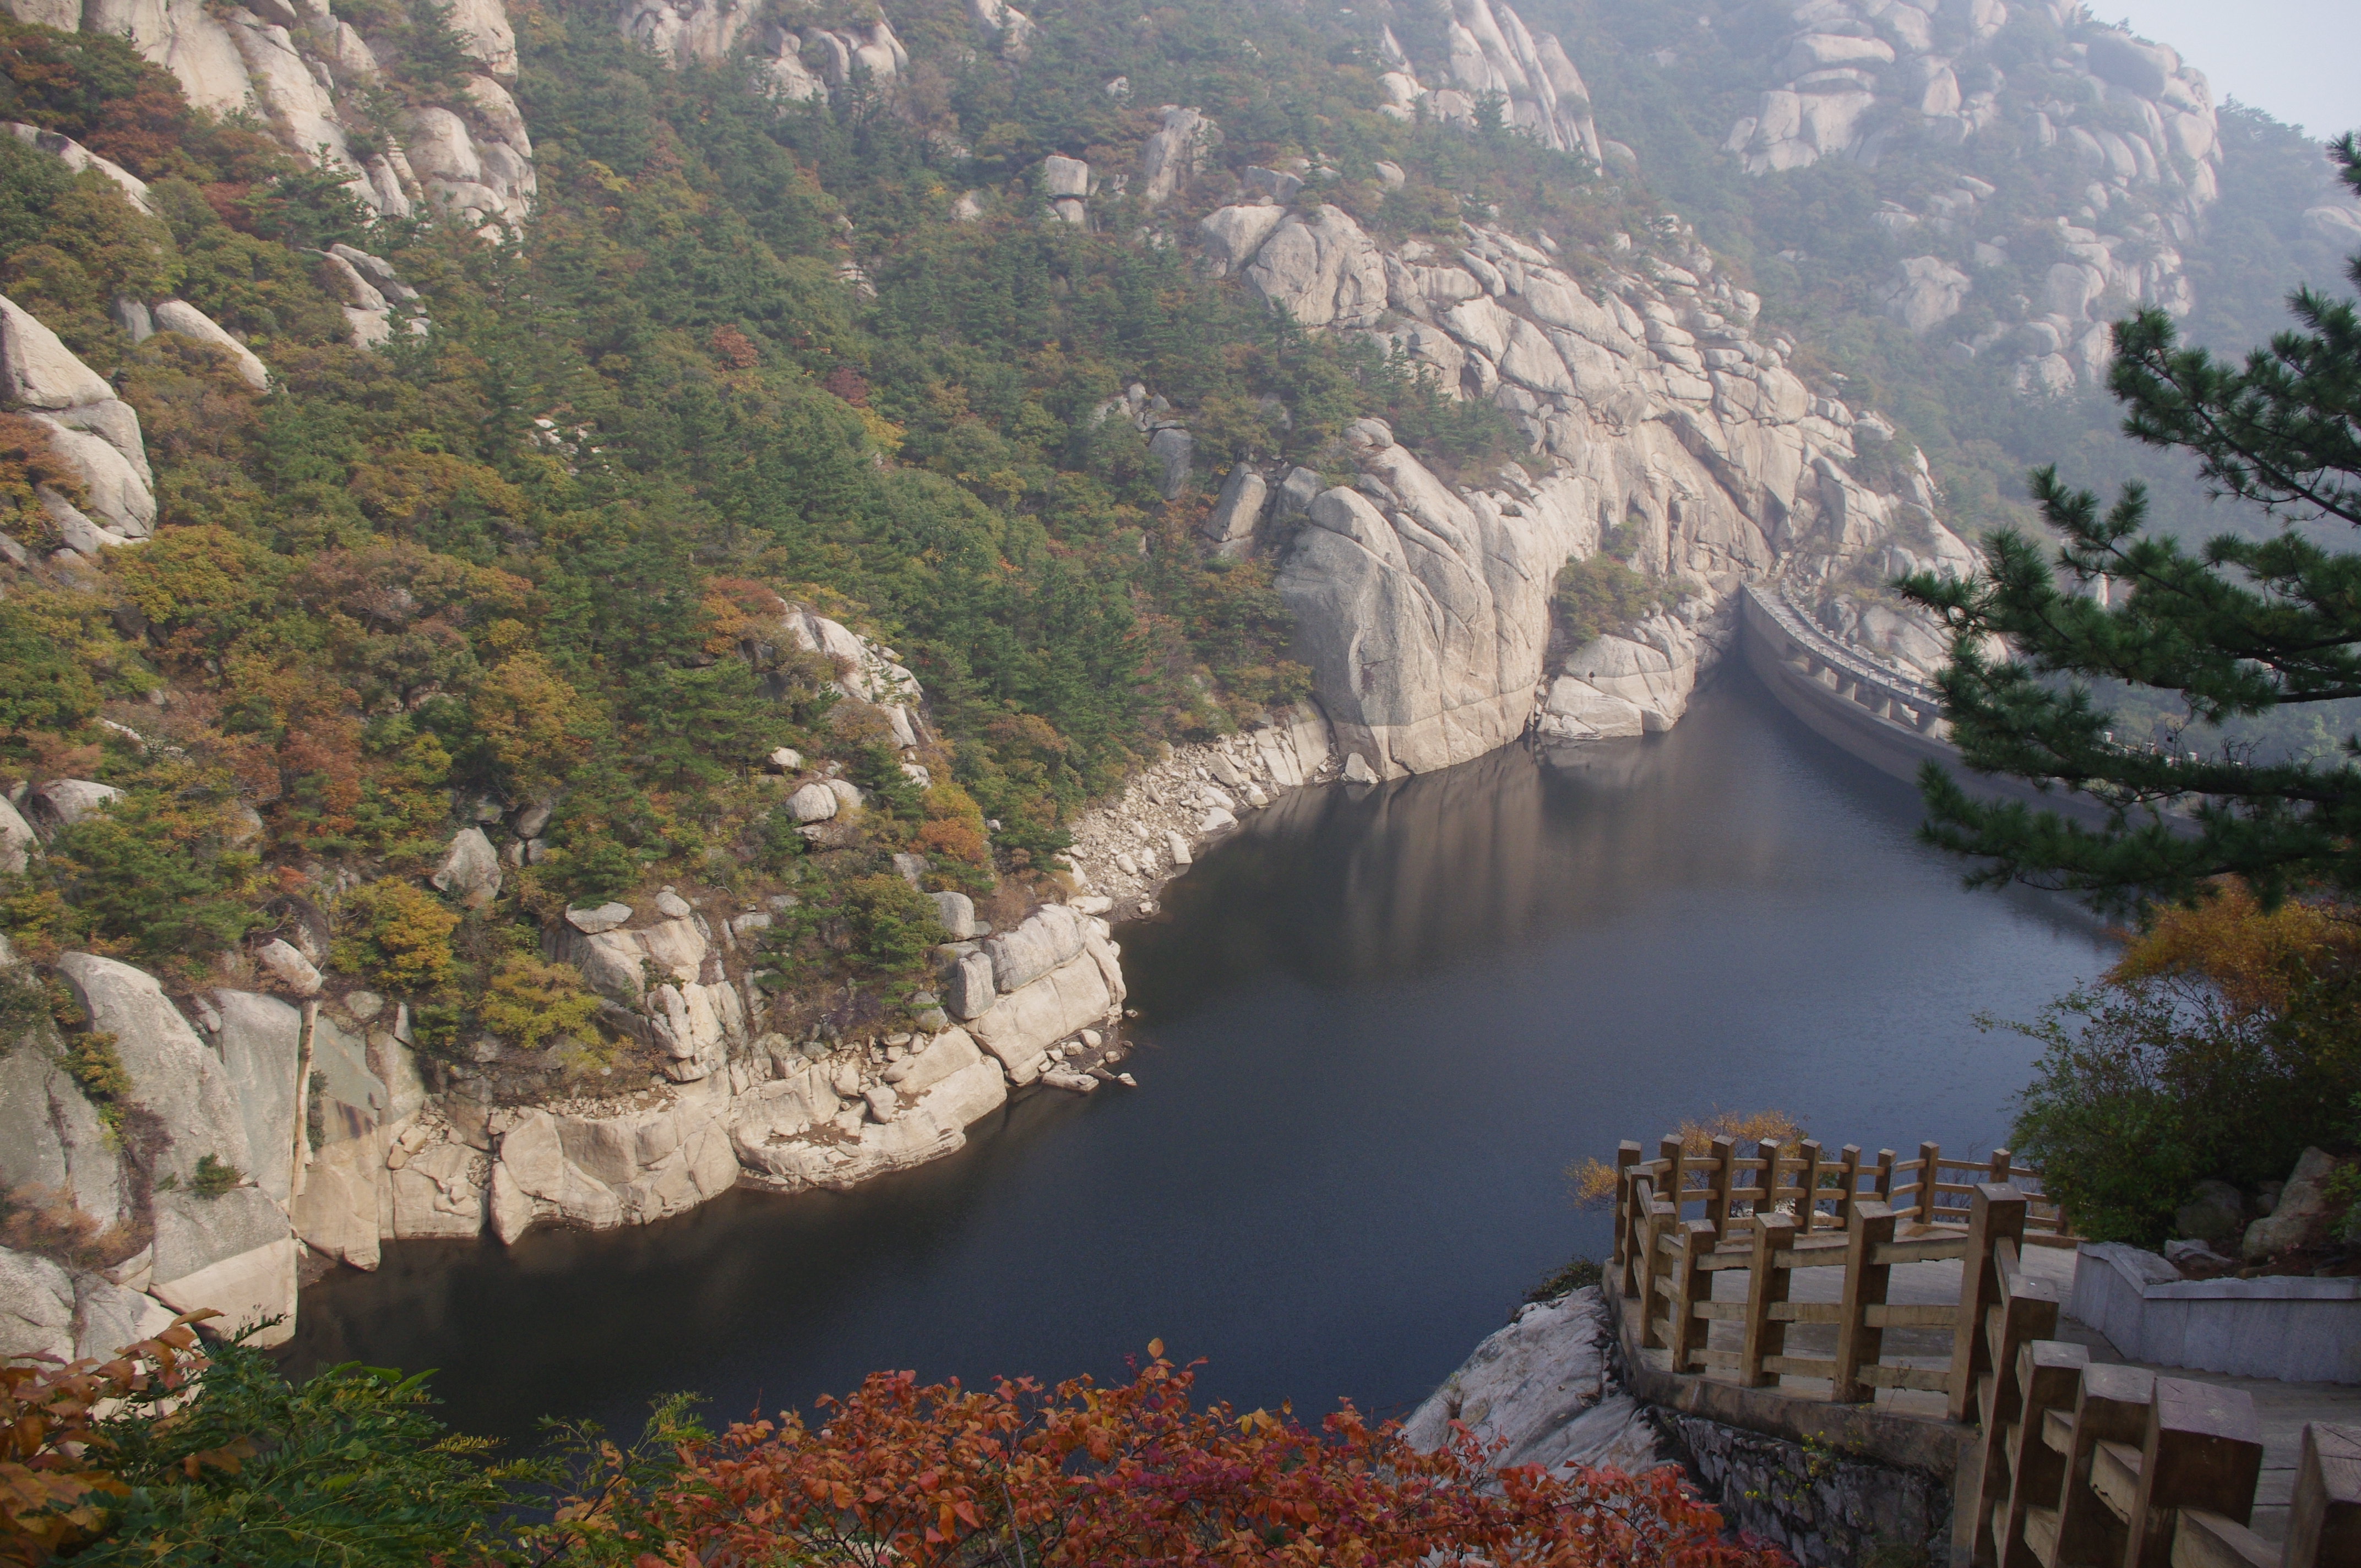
(2294, 58)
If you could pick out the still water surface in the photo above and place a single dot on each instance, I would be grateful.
(1375, 1027)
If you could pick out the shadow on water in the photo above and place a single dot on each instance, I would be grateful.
(1377, 1025)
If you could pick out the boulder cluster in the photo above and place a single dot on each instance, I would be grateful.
(1493, 54)
(794, 67)
(304, 72)
(1128, 848)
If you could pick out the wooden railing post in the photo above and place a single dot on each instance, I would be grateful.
(2026, 1312)
(1807, 1207)
(1627, 1155)
(1663, 1220)
(2324, 1519)
(1850, 1159)
(1995, 1214)
(1673, 1185)
(1858, 1343)
(1639, 1207)
(2203, 1449)
(2049, 1373)
(2110, 1407)
(1930, 1166)
(1768, 1148)
(1719, 1181)
(1999, 1177)
(1691, 1284)
(1766, 1286)
(1881, 1185)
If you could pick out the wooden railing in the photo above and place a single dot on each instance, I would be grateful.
(2077, 1463)
(2122, 1467)
(1797, 1206)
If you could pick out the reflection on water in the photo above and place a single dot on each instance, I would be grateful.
(1377, 1027)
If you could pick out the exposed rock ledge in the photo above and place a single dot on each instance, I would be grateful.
(1544, 1389)
(1548, 1390)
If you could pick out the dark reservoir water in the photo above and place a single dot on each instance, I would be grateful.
(1377, 1027)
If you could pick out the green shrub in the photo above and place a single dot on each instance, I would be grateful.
(89, 1060)
(349, 1467)
(213, 1176)
(591, 869)
(1599, 595)
(2219, 1046)
(878, 770)
(527, 1002)
(1574, 1274)
(890, 923)
(2113, 1141)
(157, 875)
(395, 936)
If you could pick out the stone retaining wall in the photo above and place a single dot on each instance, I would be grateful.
(2294, 1329)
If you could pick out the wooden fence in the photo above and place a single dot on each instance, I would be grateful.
(1796, 1206)
(2076, 1464)
(2084, 1462)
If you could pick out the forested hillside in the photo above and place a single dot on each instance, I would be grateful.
(521, 554)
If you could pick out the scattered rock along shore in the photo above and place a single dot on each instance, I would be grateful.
(1127, 848)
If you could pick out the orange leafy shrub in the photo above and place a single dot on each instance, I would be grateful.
(2256, 958)
(54, 1483)
(942, 1475)
(1594, 1180)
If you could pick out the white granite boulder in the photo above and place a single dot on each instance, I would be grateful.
(234, 1252)
(174, 1076)
(1541, 1388)
(39, 372)
(179, 316)
(1323, 271)
(469, 870)
(17, 841)
(812, 803)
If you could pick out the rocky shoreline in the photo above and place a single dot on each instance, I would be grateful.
(342, 1135)
(1126, 850)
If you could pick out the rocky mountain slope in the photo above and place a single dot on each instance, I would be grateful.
(2089, 101)
(1962, 197)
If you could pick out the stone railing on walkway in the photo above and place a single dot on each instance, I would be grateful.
(2055, 1461)
(1801, 643)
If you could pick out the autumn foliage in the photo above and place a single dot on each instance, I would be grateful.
(2257, 959)
(55, 1477)
(940, 1475)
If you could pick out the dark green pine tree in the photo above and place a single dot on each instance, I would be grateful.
(2239, 629)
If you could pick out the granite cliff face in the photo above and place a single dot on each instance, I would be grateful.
(1654, 413)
